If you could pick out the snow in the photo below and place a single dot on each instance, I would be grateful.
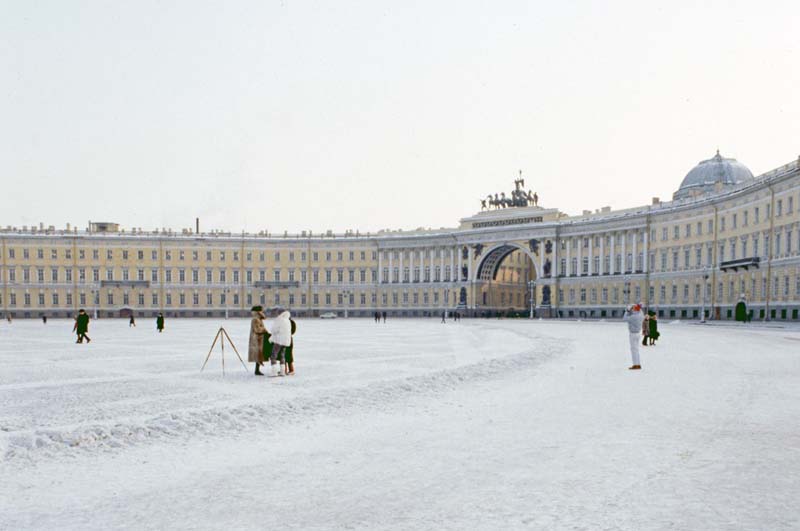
(412, 424)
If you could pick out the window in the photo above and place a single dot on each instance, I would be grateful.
(779, 208)
(154, 255)
(276, 274)
(168, 275)
(676, 232)
(140, 255)
(277, 256)
(688, 231)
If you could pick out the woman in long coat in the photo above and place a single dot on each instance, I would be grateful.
(255, 350)
(653, 325)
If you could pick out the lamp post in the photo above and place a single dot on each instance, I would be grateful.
(346, 300)
(227, 290)
(531, 285)
(95, 294)
(705, 291)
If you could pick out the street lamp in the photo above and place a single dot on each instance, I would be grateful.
(531, 285)
(95, 294)
(227, 290)
(346, 299)
(705, 292)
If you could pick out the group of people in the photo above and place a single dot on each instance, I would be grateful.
(377, 316)
(454, 315)
(639, 323)
(81, 326)
(275, 343)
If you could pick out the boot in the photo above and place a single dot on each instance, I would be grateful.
(258, 370)
(635, 368)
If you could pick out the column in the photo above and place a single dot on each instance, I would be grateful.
(634, 253)
(391, 266)
(460, 263)
(602, 254)
(441, 265)
(541, 258)
(411, 265)
(568, 269)
(646, 255)
(402, 252)
(469, 264)
(624, 242)
(380, 266)
(580, 254)
(612, 264)
(591, 255)
(554, 268)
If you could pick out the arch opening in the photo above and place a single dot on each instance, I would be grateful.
(503, 279)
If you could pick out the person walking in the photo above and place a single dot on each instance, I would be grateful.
(44, 319)
(633, 317)
(281, 337)
(645, 330)
(384, 317)
(132, 322)
(160, 322)
(82, 326)
(255, 350)
(653, 332)
(443, 317)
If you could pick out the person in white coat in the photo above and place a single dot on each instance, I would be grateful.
(634, 318)
(281, 338)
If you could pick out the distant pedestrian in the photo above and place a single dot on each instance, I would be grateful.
(653, 333)
(132, 322)
(645, 330)
(82, 326)
(255, 351)
(44, 319)
(160, 322)
(444, 316)
(281, 331)
(633, 317)
(377, 317)
(384, 317)
(8, 318)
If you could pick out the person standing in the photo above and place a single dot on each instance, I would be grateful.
(281, 337)
(645, 330)
(255, 350)
(160, 322)
(633, 316)
(82, 326)
(132, 322)
(443, 317)
(384, 317)
(44, 319)
(289, 354)
(653, 328)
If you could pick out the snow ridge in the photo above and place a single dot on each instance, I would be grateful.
(216, 421)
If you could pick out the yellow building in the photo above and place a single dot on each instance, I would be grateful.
(726, 236)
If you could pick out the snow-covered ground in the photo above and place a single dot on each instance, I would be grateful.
(412, 424)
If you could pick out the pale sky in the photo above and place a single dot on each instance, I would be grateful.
(290, 115)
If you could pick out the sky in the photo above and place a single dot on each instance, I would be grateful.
(336, 115)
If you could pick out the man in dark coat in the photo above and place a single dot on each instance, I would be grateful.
(82, 326)
(160, 322)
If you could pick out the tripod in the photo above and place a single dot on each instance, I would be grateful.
(221, 335)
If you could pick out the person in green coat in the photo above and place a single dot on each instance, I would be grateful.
(160, 322)
(653, 324)
(289, 352)
(82, 326)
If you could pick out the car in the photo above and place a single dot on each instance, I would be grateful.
(328, 315)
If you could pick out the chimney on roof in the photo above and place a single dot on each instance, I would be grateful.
(656, 201)
(197, 225)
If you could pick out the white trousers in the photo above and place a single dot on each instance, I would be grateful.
(635, 348)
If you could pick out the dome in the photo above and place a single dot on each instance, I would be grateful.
(712, 175)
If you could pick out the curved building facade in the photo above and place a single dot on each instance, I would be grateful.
(727, 236)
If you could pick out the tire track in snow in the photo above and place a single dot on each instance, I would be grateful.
(21, 446)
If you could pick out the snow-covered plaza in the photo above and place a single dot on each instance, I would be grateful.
(412, 424)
